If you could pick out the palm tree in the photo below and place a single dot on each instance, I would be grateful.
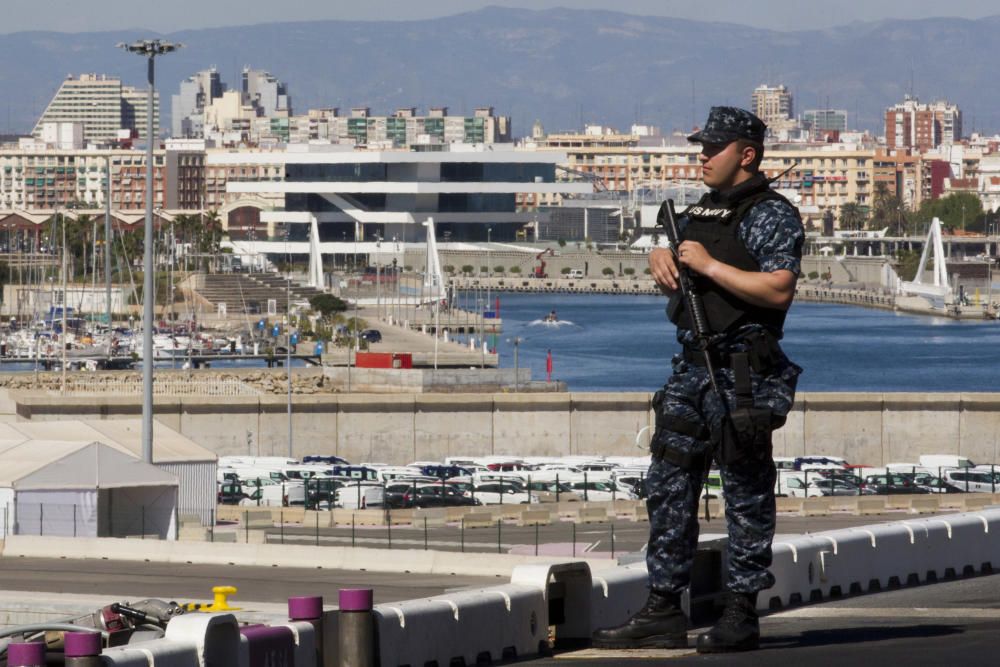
(852, 216)
(888, 211)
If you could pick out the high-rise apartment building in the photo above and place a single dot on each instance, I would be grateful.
(406, 127)
(187, 109)
(102, 105)
(922, 127)
(825, 120)
(266, 93)
(772, 104)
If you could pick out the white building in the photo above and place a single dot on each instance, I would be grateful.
(103, 105)
(358, 197)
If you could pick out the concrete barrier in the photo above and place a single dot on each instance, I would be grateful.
(288, 515)
(315, 518)
(925, 505)
(591, 515)
(867, 506)
(455, 514)
(789, 505)
(818, 506)
(479, 520)
(401, 517)
(432, 516)
(228, 513)
(256, 517)
(977, 501)
(535, 518)
(467, 627)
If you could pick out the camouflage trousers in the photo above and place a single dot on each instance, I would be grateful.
(748, 484)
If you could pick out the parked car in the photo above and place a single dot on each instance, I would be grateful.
(403, 495)
(356, 494)
(830, 487)
(975, 481)
(506, 493)
(231, 493)
(889, 484)
(371, 335)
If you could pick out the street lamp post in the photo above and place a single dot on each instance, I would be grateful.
(148, 49)
(489, 267)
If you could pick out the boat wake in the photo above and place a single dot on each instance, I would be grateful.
(554, 324)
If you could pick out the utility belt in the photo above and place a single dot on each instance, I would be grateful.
(763, 354)
(746, 429)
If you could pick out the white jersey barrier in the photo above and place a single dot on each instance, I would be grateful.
(883, 556)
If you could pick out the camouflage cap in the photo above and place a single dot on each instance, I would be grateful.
(727, 124)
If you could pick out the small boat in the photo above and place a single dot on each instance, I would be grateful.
(551, 317)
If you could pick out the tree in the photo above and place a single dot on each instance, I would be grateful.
(499, 268)
(853, 216)
(562, 243)
(959, 210)
(515, 269)
(608, 271)
(888, 211)
(565, 270)
(467, 268)
(327, 305)
(484, 269)
(628, 271)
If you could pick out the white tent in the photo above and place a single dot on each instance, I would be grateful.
(193, 465)
(86, 489)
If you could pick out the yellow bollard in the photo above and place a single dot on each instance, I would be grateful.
(221, 602)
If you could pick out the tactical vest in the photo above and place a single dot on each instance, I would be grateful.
(715, 222)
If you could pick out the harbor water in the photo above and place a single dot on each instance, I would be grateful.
(624, 343)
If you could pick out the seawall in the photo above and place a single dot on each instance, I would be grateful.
(868, 428)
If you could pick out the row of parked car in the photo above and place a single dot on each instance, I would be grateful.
(828, 476)
(329, 482)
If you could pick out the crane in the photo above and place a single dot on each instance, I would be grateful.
(539, 271)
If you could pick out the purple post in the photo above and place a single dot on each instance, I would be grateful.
(310, 609)
(31, 654)
(356, 630)
(82, 649)
(356, 599)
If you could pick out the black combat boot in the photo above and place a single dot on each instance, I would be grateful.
(737, 630)
(659, 624)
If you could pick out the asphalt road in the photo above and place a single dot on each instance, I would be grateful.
(952, 623)
(195, 582)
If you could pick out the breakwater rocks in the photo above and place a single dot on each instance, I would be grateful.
(250, 382)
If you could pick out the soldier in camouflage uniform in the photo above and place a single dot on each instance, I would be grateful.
(742, 243)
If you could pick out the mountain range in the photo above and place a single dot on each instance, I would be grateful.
(562, 67)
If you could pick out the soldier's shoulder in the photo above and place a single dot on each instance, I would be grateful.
(776, 207)
(774, 212)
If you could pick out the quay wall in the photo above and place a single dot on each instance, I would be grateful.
(865, 428)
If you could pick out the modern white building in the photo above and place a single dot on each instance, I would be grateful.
(359, 197)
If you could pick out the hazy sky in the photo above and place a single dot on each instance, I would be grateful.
(172, 15)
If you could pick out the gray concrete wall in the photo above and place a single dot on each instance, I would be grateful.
(871, 429)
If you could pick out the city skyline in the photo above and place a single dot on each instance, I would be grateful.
(786, 15)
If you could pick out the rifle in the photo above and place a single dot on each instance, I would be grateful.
(667, 219)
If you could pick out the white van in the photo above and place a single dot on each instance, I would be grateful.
(360, 495)
(934, 461)
(975, 481)
(575, 274)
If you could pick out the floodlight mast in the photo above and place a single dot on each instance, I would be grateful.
(149, 49)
